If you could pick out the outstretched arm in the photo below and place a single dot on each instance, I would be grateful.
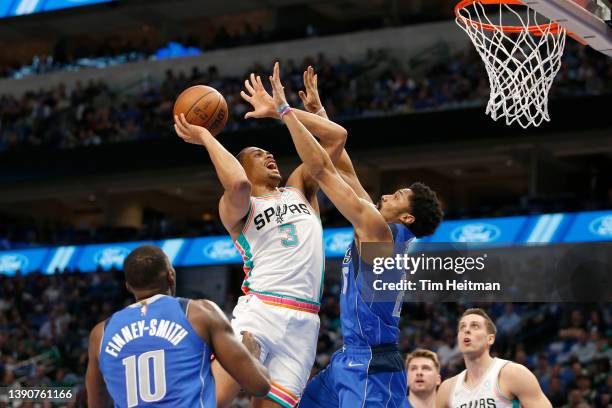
(331, 135)
(312, 103)
(521, 382)
(368, 222)
(236, 198)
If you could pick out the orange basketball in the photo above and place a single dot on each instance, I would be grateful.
(203, 106)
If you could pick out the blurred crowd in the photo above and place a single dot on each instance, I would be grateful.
(45, 321)
(379, 84)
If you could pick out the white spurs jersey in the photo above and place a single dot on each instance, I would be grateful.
(486, 395)
(282, 247)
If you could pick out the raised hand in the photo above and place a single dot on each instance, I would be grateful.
(310, 98)
(190, 133)
(259, 98)
(278, 92)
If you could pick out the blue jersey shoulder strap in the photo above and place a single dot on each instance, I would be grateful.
(184, 303)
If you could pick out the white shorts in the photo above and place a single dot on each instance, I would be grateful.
(288, 340)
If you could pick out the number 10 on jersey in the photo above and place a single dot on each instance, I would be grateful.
(138, 377)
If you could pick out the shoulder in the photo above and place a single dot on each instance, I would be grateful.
(205, 311)
(446, 388)
(516, 379)
(373, 227)
(95, 338)
(302, 181)
(206, 317)
(512, 371)
(98, 330)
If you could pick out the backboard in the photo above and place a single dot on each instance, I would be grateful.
(586, 19)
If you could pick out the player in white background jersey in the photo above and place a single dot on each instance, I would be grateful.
(278, 232)
(487, 382)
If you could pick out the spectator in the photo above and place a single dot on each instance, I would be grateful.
(508, 325)
(95, 114)
(585, 349)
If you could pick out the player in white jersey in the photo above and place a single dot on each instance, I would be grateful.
(487, 382)
(279, 235)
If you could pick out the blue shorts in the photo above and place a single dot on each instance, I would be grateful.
(359, 377)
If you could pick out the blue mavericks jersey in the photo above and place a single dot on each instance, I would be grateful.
(151, 356)
(369, 318)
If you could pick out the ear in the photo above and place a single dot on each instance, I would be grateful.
(491, 340)
(171, 276)
(438, 380)
(129, 288)
(406, 218)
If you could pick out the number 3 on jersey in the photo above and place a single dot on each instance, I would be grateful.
(138, 377)
(289, 236)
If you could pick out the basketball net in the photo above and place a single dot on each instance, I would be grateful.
(522, 56)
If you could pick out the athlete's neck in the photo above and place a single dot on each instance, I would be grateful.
(141, 295)
(476, 367)
(423, 400)
(261, 190)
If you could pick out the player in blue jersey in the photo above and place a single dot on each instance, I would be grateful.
(157, 351)
(423, 367)
(368, 371)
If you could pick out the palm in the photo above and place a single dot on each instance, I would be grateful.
(310, 98)
(311, 102)
(262, 104)
(260, 100)
(190, 133)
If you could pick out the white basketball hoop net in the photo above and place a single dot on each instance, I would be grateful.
(521, 54)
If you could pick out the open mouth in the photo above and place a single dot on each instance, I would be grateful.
(271, 165)
(467, 341)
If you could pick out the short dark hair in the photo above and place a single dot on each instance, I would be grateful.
(426, 209)
(146, 268)
(242, 154)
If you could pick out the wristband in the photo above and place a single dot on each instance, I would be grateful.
(282, 107)
(320, 110)
(285, 111)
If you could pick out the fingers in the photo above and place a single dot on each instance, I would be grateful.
(178, 124)
(246, 96)
(179, 133)
(314, 81)
(276, 71)
(302, 96)
(247, 85)
(259, 83)
(183, 122)
(276, 85)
